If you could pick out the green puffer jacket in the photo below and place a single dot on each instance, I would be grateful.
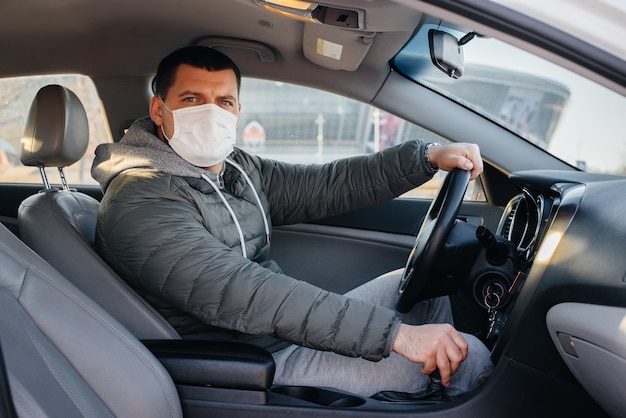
(165, 230)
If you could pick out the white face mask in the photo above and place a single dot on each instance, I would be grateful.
(203, 135)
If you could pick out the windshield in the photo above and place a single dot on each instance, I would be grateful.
(573, 118)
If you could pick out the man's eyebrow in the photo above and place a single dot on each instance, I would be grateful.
(195, 93)
(188, 93)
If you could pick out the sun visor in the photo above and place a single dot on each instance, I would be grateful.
(337, 49)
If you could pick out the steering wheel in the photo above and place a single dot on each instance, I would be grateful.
(431, 238)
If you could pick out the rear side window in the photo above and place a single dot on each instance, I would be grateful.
(16, 95)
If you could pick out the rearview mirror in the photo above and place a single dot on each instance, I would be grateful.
(446, 53)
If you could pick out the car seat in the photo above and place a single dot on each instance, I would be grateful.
(59, 224)
(64, 355)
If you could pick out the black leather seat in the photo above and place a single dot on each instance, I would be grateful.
(59, 224)
(67, 357)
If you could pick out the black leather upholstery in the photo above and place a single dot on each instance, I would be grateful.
(215, 363)
(60, 224)
(56, 133)
(64, 355)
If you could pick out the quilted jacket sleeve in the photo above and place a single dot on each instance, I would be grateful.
(300, 193)
(157, 241)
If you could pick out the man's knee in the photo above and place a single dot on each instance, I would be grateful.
(477, 349)
(478, 358)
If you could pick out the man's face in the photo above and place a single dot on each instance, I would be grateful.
(192, 87)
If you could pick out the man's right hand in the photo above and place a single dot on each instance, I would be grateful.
(436, 346)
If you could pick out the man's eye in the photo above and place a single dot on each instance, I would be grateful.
(226, 103)
(189, 99)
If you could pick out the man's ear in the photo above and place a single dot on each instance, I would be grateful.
(156, 109)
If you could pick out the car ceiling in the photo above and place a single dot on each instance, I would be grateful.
(116, 38)
(121, 38)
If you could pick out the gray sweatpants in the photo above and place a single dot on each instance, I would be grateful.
(302, 366)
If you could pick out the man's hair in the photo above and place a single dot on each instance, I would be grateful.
(197, 56)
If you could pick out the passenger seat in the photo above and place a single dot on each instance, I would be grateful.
(64, 355)
(59, 224)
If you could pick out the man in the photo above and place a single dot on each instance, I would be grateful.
(186, 219)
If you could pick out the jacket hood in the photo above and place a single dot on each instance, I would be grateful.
(140, 148)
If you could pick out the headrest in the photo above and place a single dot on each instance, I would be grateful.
(56, 133)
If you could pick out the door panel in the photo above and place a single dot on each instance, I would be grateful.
(337, 258)
(345, 251)
(12, 196)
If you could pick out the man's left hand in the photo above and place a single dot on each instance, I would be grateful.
(458, 155)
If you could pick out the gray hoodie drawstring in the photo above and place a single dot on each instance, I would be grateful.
(232, 212)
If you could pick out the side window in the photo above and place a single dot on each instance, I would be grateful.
(301, 125)
(16, 95)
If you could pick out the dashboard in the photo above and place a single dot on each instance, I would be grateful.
(524, 222)
(560, 298)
